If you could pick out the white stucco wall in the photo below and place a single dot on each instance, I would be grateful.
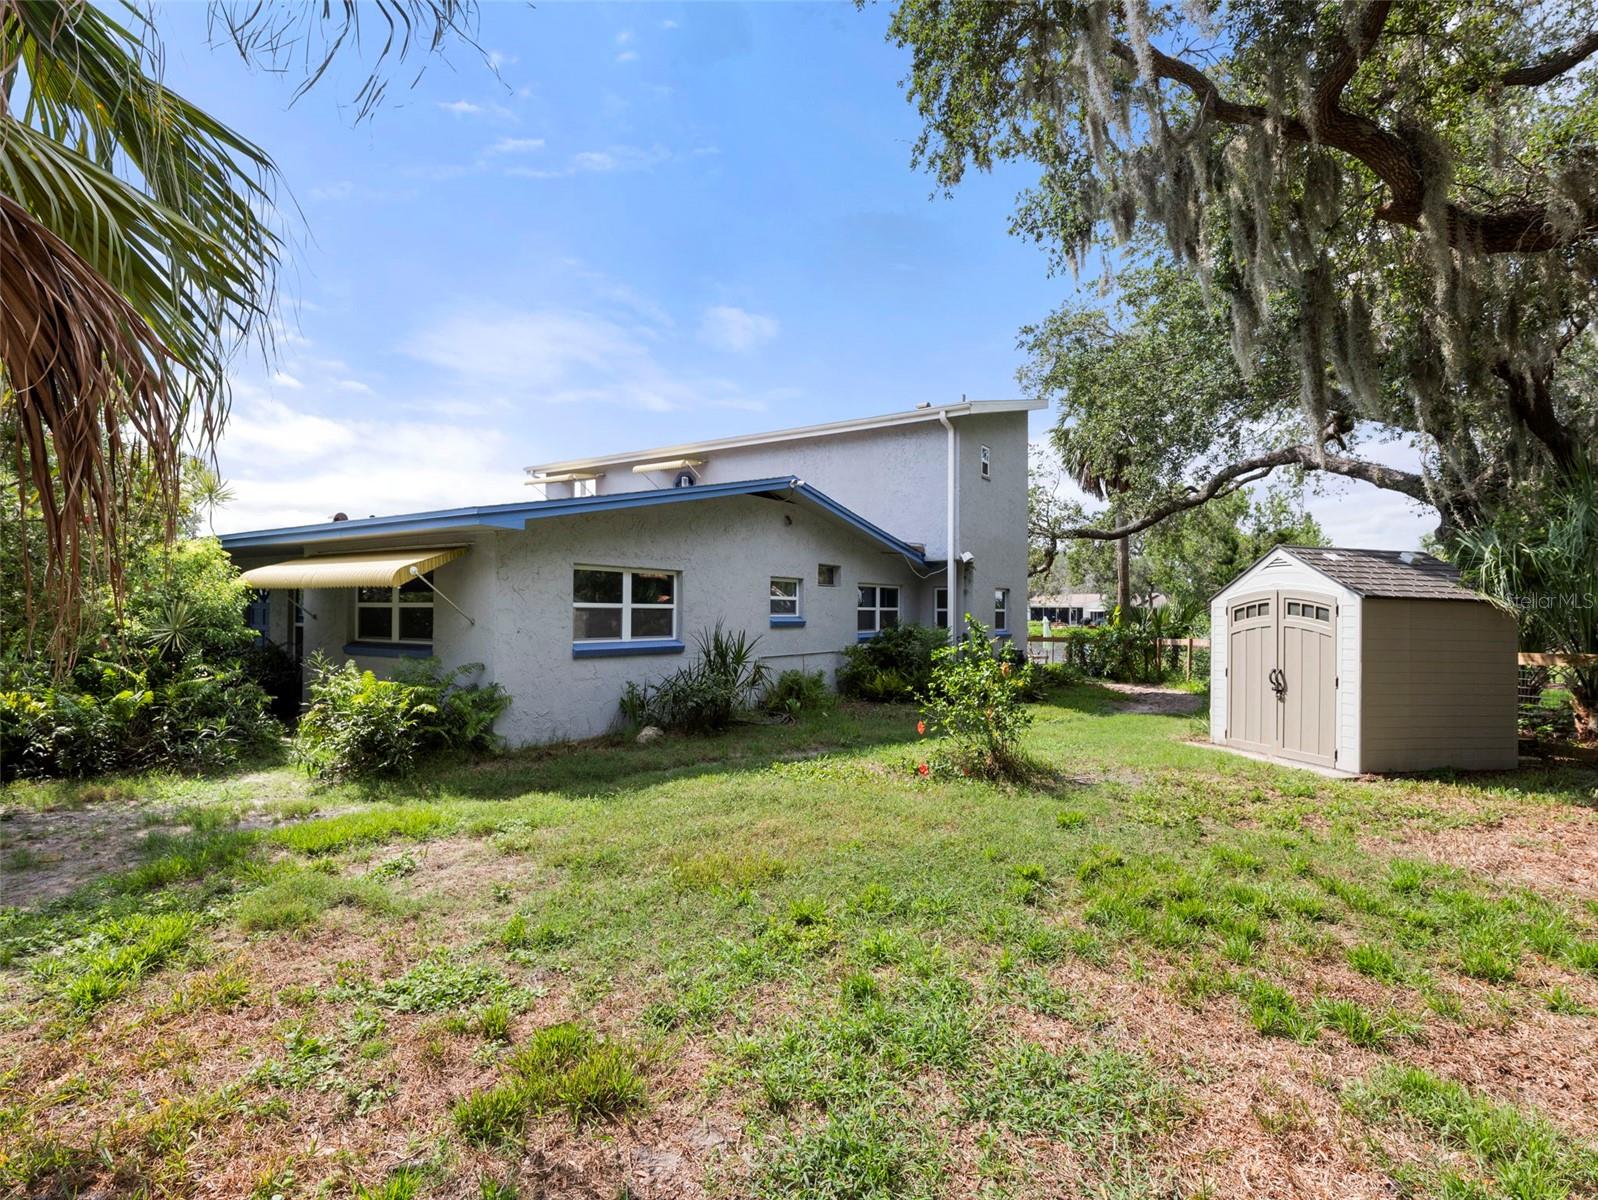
(993, 515)
(892, 477)
(517, 585)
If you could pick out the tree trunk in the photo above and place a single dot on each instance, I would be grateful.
(1123, 575)
(1584, 704)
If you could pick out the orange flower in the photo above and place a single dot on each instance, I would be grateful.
(923, 769)
(1004, 669)
(921, 727)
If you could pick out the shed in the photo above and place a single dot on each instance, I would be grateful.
(1362, 660)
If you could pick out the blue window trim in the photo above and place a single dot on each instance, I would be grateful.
(616, 649)
(787, 622)
(387, 650)
(1003, 634)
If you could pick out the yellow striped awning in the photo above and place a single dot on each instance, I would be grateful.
(375, 568)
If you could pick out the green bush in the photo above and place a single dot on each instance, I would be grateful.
(976, 703)
(359, 726)
(794, 692)
(895, 665)
(187, 601)
(108, 717)
(706, 695)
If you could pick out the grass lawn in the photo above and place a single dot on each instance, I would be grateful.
(782, 964)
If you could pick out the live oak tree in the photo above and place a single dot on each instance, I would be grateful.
(1391, 210)
(140, 253)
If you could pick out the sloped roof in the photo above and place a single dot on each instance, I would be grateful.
(518, 516)
(1399, 574)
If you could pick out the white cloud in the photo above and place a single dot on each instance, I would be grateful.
(284, 379)
(509, 145)
(624, 37)
(470, 108)
(598, 162)
(668, 23)
(498, 59)
(568, 357)
(353, 385)
(627, 56)
(735, 329)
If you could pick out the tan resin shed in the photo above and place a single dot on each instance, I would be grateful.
(1362, 660)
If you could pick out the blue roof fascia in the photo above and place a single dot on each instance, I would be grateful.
(494, 516)
(517, 516)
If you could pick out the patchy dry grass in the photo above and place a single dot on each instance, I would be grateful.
(780, 964)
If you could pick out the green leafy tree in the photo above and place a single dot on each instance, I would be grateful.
(1193, 555)
(1378, 218)
(139, 256)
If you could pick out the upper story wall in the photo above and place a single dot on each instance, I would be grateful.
(893, 477)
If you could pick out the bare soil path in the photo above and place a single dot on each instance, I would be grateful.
(1156, 700)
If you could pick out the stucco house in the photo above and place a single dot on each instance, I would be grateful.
(811, 538)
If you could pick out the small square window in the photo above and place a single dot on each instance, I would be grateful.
(827, 574)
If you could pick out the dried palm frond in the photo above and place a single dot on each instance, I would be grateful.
(138, 255)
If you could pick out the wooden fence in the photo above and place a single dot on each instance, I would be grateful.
(1042, 650)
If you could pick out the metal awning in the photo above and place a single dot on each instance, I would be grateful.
(376, 568)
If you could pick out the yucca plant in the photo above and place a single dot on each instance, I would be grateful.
(1545, 570)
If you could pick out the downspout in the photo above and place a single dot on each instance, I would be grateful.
(951, 570)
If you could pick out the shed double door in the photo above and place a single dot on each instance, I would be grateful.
(1281, 693)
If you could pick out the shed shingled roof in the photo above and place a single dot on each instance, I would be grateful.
(1404, 575)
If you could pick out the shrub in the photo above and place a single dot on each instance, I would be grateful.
(976, 703)
(706, 695)
(794, 692)
(359, 725)
(108, 717)
(894, 665)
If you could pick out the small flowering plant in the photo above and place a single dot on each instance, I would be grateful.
(976, 706)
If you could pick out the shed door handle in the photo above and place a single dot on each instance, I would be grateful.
(1278, 682)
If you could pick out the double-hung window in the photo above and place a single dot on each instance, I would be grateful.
(877, 608)
(784, 601)
(611, 604)
(940, 608)
(402, 614)
(1001, 609)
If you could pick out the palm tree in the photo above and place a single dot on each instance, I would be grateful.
(1544, 569)
(1104, 481)
(138, 256)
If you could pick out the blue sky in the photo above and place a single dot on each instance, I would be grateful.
(655, 223)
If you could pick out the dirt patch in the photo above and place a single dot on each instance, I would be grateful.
(1154, 700)
(1554, 852)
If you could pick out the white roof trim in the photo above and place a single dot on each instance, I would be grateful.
(567, 477)
(670, 464)
(967, 408)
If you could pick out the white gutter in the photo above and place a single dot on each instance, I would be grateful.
(951, 573)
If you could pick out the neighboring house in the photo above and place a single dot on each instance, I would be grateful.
(1079, 608)
(812, 538)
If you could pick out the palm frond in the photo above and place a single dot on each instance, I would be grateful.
(275, 36)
